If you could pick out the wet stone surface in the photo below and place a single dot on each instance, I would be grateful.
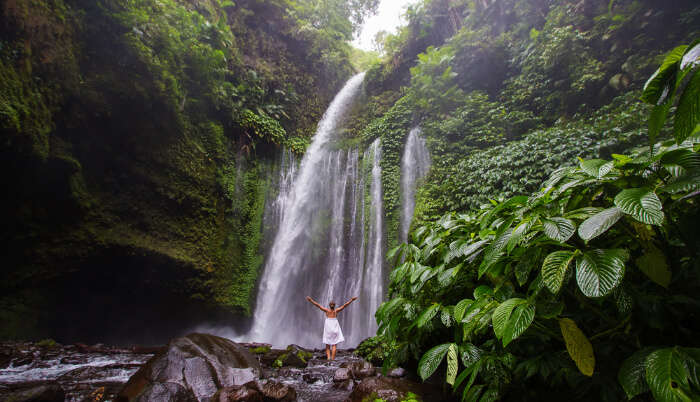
(82, 372)
(99, 373)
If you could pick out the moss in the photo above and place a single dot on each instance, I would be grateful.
(279, 362)
(260, 350)
(47, 343)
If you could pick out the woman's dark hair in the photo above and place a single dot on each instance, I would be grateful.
(331, 305)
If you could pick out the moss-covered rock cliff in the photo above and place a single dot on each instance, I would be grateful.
(136, 137)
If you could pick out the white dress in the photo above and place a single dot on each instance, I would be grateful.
(331, 332)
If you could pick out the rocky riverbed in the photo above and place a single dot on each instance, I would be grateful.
(54, 372)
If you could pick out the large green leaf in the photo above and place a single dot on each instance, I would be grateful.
(598, 272)
(642, 204)
(597, 168)
(657, 87)
(452, 364)
(559, 229)
(666, 375)
(691, 58)
(578, 346)
(632, 373)
(653, 264)
(657, 120)
(431, 360)
(554, 269)
(519, 232)
(687, 114)
(502, 313)
(427, 315)
(494, 251)
(599, 223)
(460, 308)
(518, 322)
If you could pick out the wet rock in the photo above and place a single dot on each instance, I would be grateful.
(342, 374)
(360, 369)
(168, 391)
(396, 372)
(147, 350)
(346, 385)
(394, 390)
(270, 357)
(198, 364)
(238, 393)
(51, 392)
(74, 360)
(276, 391)
(311, 378)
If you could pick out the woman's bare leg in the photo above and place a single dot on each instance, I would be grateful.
(333, 348)
(328, 352)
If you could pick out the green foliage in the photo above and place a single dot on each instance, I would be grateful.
(377, 350)
(621, 223)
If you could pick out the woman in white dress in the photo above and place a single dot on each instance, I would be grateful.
(332, 335)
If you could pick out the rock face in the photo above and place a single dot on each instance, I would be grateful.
(42, 393)
(192, 368)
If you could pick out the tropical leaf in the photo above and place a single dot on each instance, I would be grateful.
(667, 375)
(597, 168)
(470, 354)
(554, 269)
(687, 114)
(494, 251)
(691, 58)
(502, 313)
(432, 359)
(657, 120)
(599, 223)
(524, 267)
(427, 315)
(653, 264)
(578, 346)
(472, 394)
(656, 87)
(461, 308)
(642, 204)
(518, 322)
(632, 374)
(598, 272)
(482, 291)
(582, 213)
(684, 158)
(683, 184)
(446, 316)
(559, 229)
(519, 232)
(452, 364)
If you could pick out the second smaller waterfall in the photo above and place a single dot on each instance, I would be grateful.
(414, 166)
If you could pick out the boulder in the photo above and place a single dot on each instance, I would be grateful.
(238, 393)
(50, 392)
(266, 391)
(346, 385)
(342, 374)
(277, 391)
(360, 369)
(394, 390)
(192, 368)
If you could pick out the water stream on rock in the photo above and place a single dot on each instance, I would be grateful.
(329, 239)
(414, 166)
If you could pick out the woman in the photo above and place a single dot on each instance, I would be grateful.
(332, 335)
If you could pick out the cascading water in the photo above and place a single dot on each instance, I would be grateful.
(414, 166)
(329, 243)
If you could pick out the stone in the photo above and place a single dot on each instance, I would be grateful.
(396, 372)
(346, 385)
(311, 378)
(199, 364)
(277, 391)
(238, 393)
(394, 390)
(342, 374)
(51, 392)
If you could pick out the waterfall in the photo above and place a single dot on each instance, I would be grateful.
(414, 166)
(329, 242)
